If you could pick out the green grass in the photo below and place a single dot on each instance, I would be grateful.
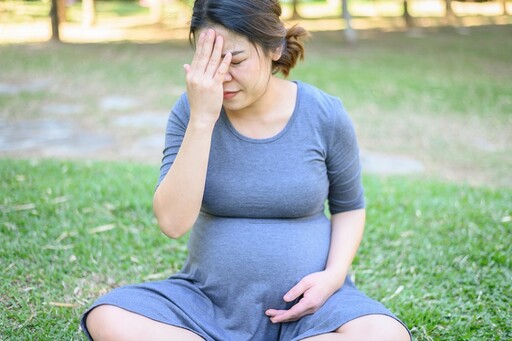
(442, 73)
(443, 98)
(49, 253)
(437, 254)
(436, 97)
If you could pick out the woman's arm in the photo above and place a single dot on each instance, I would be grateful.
(178, 198)
(346, 234)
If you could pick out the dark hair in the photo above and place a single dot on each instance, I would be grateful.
(258, 21)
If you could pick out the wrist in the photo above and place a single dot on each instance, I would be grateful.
(202, 124)
(336, 277)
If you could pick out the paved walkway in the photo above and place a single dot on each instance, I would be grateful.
(136, 136)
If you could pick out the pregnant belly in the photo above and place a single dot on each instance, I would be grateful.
(266, 252)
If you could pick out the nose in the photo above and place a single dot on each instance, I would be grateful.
(228, 77)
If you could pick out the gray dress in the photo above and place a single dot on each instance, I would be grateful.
(261, 228)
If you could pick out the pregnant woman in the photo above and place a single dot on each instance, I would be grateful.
(249, 161)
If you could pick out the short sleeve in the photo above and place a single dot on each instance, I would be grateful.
(343, 165)
(175, 131)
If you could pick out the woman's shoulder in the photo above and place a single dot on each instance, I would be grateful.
(321, 105)
(181, 109)
(182, 103)
(315, 95)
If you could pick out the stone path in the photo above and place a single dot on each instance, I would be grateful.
(13, 89)
(130, 134)
(389, 164)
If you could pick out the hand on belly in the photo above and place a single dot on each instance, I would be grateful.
(315, 289)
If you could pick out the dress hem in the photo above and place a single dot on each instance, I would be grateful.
(308, 334)
(322, 331)
(83, 325)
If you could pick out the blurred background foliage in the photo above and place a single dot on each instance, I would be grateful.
(174, 14)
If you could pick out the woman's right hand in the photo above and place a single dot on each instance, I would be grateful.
(205, 77)
(177, 201)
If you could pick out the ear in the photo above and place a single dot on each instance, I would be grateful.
(276, 54)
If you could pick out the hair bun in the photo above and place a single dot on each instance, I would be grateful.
(293, 50)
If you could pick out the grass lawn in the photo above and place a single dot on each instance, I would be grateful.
(442, 98)
(437, 246)
(437, 254)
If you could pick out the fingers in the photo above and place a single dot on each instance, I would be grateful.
(199, 47)
(208, 61)
(208, 52)
(304, 307)
(204, 50)
(296, 291)
(205, 76)
(215, 57)
(223, 68)
(297, 311)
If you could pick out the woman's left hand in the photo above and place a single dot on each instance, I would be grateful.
(315, 289)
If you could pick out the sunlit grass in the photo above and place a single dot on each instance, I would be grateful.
(25, 11)
(434, 253)
(442, 97)
(443, 73)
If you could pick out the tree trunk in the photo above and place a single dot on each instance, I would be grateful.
(156, 10)
(54, 16)
(350, 33)
(450, 15)
(89, 13)
(407, 16)
(504, 6)
(61, 11)
(295, 13)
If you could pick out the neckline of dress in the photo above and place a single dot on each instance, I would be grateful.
(277, 136)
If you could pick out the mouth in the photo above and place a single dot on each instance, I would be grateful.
(230, 94)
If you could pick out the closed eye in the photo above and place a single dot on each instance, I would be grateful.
(236, 63)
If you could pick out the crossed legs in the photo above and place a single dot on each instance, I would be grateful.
(368, 328)
(108, 323)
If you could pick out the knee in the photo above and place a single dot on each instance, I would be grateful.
(375, 327)
(394, 330)
(103, 323)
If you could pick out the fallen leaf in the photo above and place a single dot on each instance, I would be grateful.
(59, 200)
(102, 228)
(397, 291)
(62, 236)
(58, 247)
(24, 207)
(160, 275)
(64, 305)
(11, 226)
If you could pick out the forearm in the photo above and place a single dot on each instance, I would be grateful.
(177, 200)
(346, 234)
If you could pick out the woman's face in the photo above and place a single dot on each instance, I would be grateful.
(249, 73)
